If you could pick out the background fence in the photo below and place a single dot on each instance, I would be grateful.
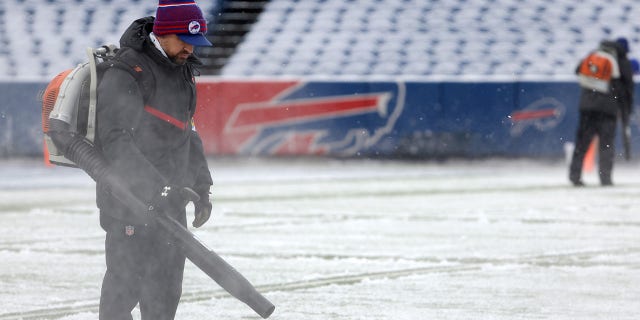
(352, 118)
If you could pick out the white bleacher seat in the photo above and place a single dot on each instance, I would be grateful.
(308, 37)
(43, 37)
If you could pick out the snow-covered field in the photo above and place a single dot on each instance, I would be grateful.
(328, 239)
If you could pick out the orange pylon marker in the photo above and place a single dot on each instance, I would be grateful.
(45, 153)
(589, 162)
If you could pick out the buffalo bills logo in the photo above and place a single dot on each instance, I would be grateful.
(194, 27)
(316, 118)
(543, 114)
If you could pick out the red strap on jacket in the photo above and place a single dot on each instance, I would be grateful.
(163, 116)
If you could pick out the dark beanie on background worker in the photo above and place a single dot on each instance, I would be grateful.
(624, 44)
(183, 18)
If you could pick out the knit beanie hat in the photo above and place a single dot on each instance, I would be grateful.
(183, 18)
(624, 44)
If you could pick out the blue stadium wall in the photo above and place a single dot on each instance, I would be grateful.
(353, 119)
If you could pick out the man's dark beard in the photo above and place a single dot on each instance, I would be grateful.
(176, 61)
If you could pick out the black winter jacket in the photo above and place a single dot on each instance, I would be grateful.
(144, 123)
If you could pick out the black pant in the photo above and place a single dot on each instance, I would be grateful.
(142, 267)
(591, 124)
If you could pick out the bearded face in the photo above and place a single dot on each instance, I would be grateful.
(177, 50)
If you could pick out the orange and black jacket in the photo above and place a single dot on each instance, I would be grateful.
(620, 98)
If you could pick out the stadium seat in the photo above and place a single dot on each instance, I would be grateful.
(429, 38)
(40, 38)
(330, 38)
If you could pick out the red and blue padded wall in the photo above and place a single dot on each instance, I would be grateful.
(386, 119)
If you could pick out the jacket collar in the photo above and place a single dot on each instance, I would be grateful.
(137, 37)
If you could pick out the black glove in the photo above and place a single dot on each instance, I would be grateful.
(202, 208)
(172, 199)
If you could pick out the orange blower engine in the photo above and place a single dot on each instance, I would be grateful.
(69, 106)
